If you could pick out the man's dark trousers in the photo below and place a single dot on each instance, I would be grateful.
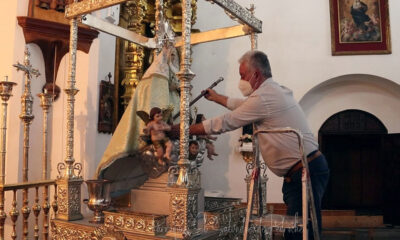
(292, 194)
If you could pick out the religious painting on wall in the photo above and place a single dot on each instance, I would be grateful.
(360, 27)
(106, 106)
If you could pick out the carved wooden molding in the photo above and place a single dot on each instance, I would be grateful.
(53, 40)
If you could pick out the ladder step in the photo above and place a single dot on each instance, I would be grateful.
(277, 221)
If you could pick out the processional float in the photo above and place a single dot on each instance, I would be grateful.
(183, 222)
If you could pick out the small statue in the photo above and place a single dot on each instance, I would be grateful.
(155, 129)
(193, 150)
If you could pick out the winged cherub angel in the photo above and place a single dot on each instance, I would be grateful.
(156, 127)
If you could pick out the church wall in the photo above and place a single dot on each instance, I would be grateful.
(11, 51)
(91, 69)
(296, 36)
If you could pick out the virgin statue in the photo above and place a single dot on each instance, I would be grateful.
(158, 87)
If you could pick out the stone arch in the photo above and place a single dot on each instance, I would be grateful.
(368, 93)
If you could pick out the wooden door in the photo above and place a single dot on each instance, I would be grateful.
(391, 180)
(356, 173)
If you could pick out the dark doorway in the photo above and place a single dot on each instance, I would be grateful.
(364, 162)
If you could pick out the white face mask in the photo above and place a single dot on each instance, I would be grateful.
(245, 87)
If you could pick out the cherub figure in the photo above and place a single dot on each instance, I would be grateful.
(156, 128)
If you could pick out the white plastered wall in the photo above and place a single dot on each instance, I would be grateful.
(296, 37)
(93, 67)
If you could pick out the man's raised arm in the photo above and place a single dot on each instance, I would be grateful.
(212, 95)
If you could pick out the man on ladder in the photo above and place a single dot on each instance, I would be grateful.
(269, 105)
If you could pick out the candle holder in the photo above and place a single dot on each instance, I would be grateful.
(6, 89)
(5, 93)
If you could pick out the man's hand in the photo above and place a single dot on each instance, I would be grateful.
(210, 137)
(212, 95)
(211, 151)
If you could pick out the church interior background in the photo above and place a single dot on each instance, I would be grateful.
(350, 101)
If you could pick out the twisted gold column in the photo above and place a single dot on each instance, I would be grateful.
(27, 117)
(133, 53)
(46, 100)
(184, 194)
(26, 113)
(185, 75)
(5, 94)
(3, 215)
(249, 156)
(69, 183)
(159, 21)
(71, 91)
(253, 35)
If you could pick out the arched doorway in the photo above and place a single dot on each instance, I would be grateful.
(364, 163)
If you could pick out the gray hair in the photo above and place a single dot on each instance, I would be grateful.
(257, 60)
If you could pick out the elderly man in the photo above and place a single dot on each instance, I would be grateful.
(269, 105)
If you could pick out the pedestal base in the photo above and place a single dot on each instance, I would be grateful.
(153, 197)
(69, 199)
(183, 210)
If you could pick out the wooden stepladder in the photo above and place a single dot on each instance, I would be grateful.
(281, 221)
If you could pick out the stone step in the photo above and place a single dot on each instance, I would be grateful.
(383, 233)
(352, 221)
(338, 212)
(324, 212)
(337, 218)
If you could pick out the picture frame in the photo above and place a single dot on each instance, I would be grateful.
(360, 27)
(106, 106)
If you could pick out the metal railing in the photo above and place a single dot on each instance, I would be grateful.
(37, 207)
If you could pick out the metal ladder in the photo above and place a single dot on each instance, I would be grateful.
(281, 221)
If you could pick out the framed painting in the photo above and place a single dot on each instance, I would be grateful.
(106, 106)
(360, 27)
